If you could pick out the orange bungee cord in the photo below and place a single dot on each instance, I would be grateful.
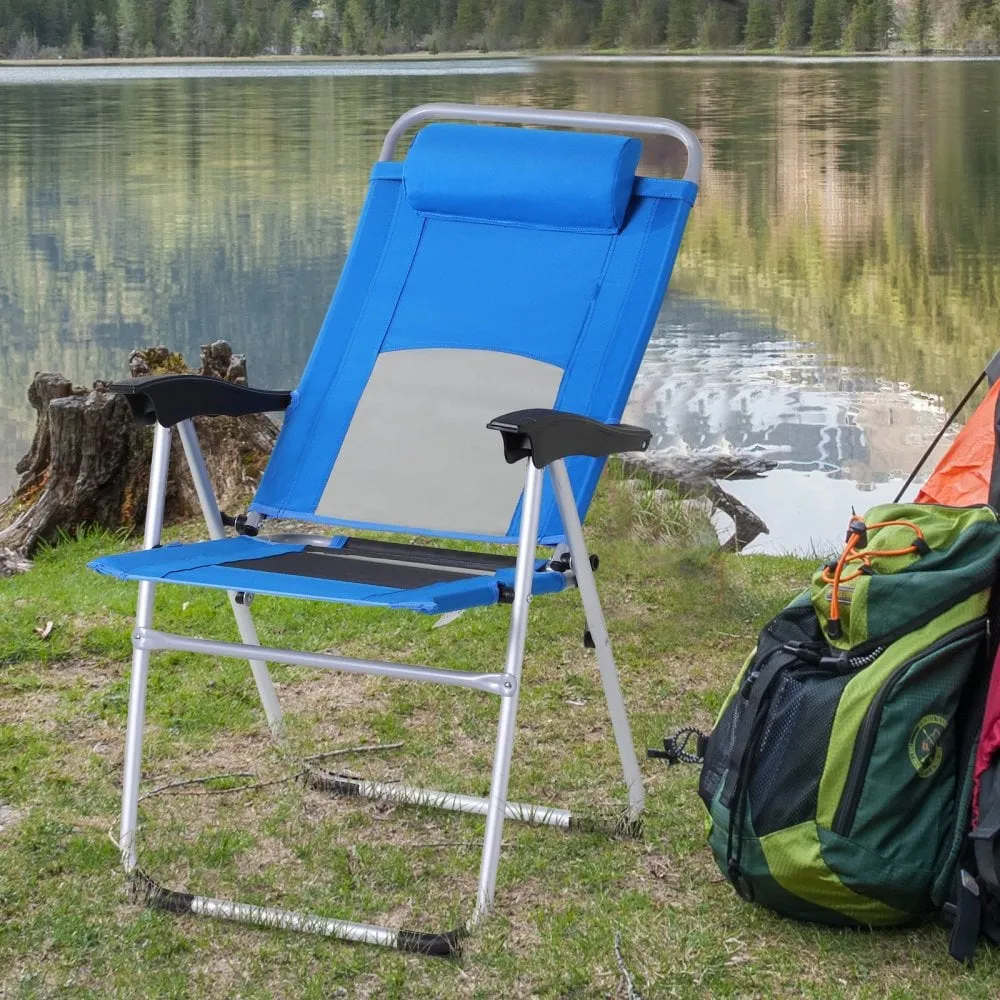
(857, 534)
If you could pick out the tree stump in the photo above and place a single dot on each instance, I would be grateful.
(88, 464)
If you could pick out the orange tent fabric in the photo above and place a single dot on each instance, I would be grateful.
(962, 477)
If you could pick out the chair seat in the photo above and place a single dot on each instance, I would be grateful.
(344, 570)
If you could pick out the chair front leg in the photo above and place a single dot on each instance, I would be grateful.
(140, 657)
(523, 578)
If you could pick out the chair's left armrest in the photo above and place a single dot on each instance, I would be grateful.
(169, 399)
(547, 435)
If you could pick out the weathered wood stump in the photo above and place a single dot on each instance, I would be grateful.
(698, 476)
(89, 463)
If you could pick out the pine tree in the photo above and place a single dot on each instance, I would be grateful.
(860, 36)
(128, 25)
(569, 26)
(682, 24)
(649, 27)
(792, 32)
(354, 26)
(885, 20)
(245, 39)
(535, 25)
(608, 33)
(382, 20)
(921, 23)
(282, 29)
(826, 28)
(503, 25)
(74, 44)
(760, 24)
(470, 18)
(179, 25)
(104, 34)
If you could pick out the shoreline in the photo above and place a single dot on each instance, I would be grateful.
(800, 58)
(264, 59)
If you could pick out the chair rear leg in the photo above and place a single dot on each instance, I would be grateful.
(244, 620)
(602, 642)
(524, 571)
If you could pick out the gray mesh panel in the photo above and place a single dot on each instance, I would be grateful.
(418, 454)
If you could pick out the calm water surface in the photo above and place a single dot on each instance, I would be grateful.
(838, 285)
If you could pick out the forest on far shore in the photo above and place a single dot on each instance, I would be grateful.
(33, 29)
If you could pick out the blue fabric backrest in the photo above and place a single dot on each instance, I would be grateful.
(518, 176)
(459, 278)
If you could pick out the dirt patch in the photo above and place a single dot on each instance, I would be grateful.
(9, 818)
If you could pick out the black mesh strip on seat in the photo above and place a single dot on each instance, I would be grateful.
(333, 564)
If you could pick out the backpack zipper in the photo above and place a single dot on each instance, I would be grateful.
(843, 819)
(888, 638)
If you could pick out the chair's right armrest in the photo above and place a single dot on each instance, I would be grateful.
(547, 435)
(169, 399)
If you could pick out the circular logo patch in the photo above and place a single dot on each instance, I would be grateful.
(925, 745)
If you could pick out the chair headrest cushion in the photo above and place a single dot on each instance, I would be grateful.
(523, 177)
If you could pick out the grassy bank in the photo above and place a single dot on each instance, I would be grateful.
(681, 620)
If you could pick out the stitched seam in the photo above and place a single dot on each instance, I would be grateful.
(639, 257)
(385, 332)
(545, 514)
(515, 224)
(610, 340)
(362, 315)
(588, 322)
(297, 475)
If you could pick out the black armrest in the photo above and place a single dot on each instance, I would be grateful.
(170, 399)
(546, 435)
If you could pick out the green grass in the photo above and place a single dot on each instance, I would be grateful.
(681, 619)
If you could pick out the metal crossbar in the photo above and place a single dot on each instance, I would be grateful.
(410, 795)
(504, 685)
(552, 119)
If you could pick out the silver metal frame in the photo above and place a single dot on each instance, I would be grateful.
(504, 684)
(557, 119)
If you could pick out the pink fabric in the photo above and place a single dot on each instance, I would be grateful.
(989, 737)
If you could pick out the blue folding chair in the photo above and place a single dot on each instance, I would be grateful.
(501, 281)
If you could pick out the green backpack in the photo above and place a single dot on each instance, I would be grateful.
(838, 775)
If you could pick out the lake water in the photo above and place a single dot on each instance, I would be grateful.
(837, 289)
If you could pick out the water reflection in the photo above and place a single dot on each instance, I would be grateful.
(717, 381)
(840, 271)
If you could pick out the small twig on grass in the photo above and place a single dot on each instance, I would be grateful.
(631, 992)
(365, 748)
(214, 791)
(471, 845)
(187, 782)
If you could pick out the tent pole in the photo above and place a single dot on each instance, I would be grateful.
(941, 433)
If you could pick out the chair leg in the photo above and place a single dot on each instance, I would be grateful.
(133, 739)
(496, 811)
(140, 657)
(599, 633)
(244, 620)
